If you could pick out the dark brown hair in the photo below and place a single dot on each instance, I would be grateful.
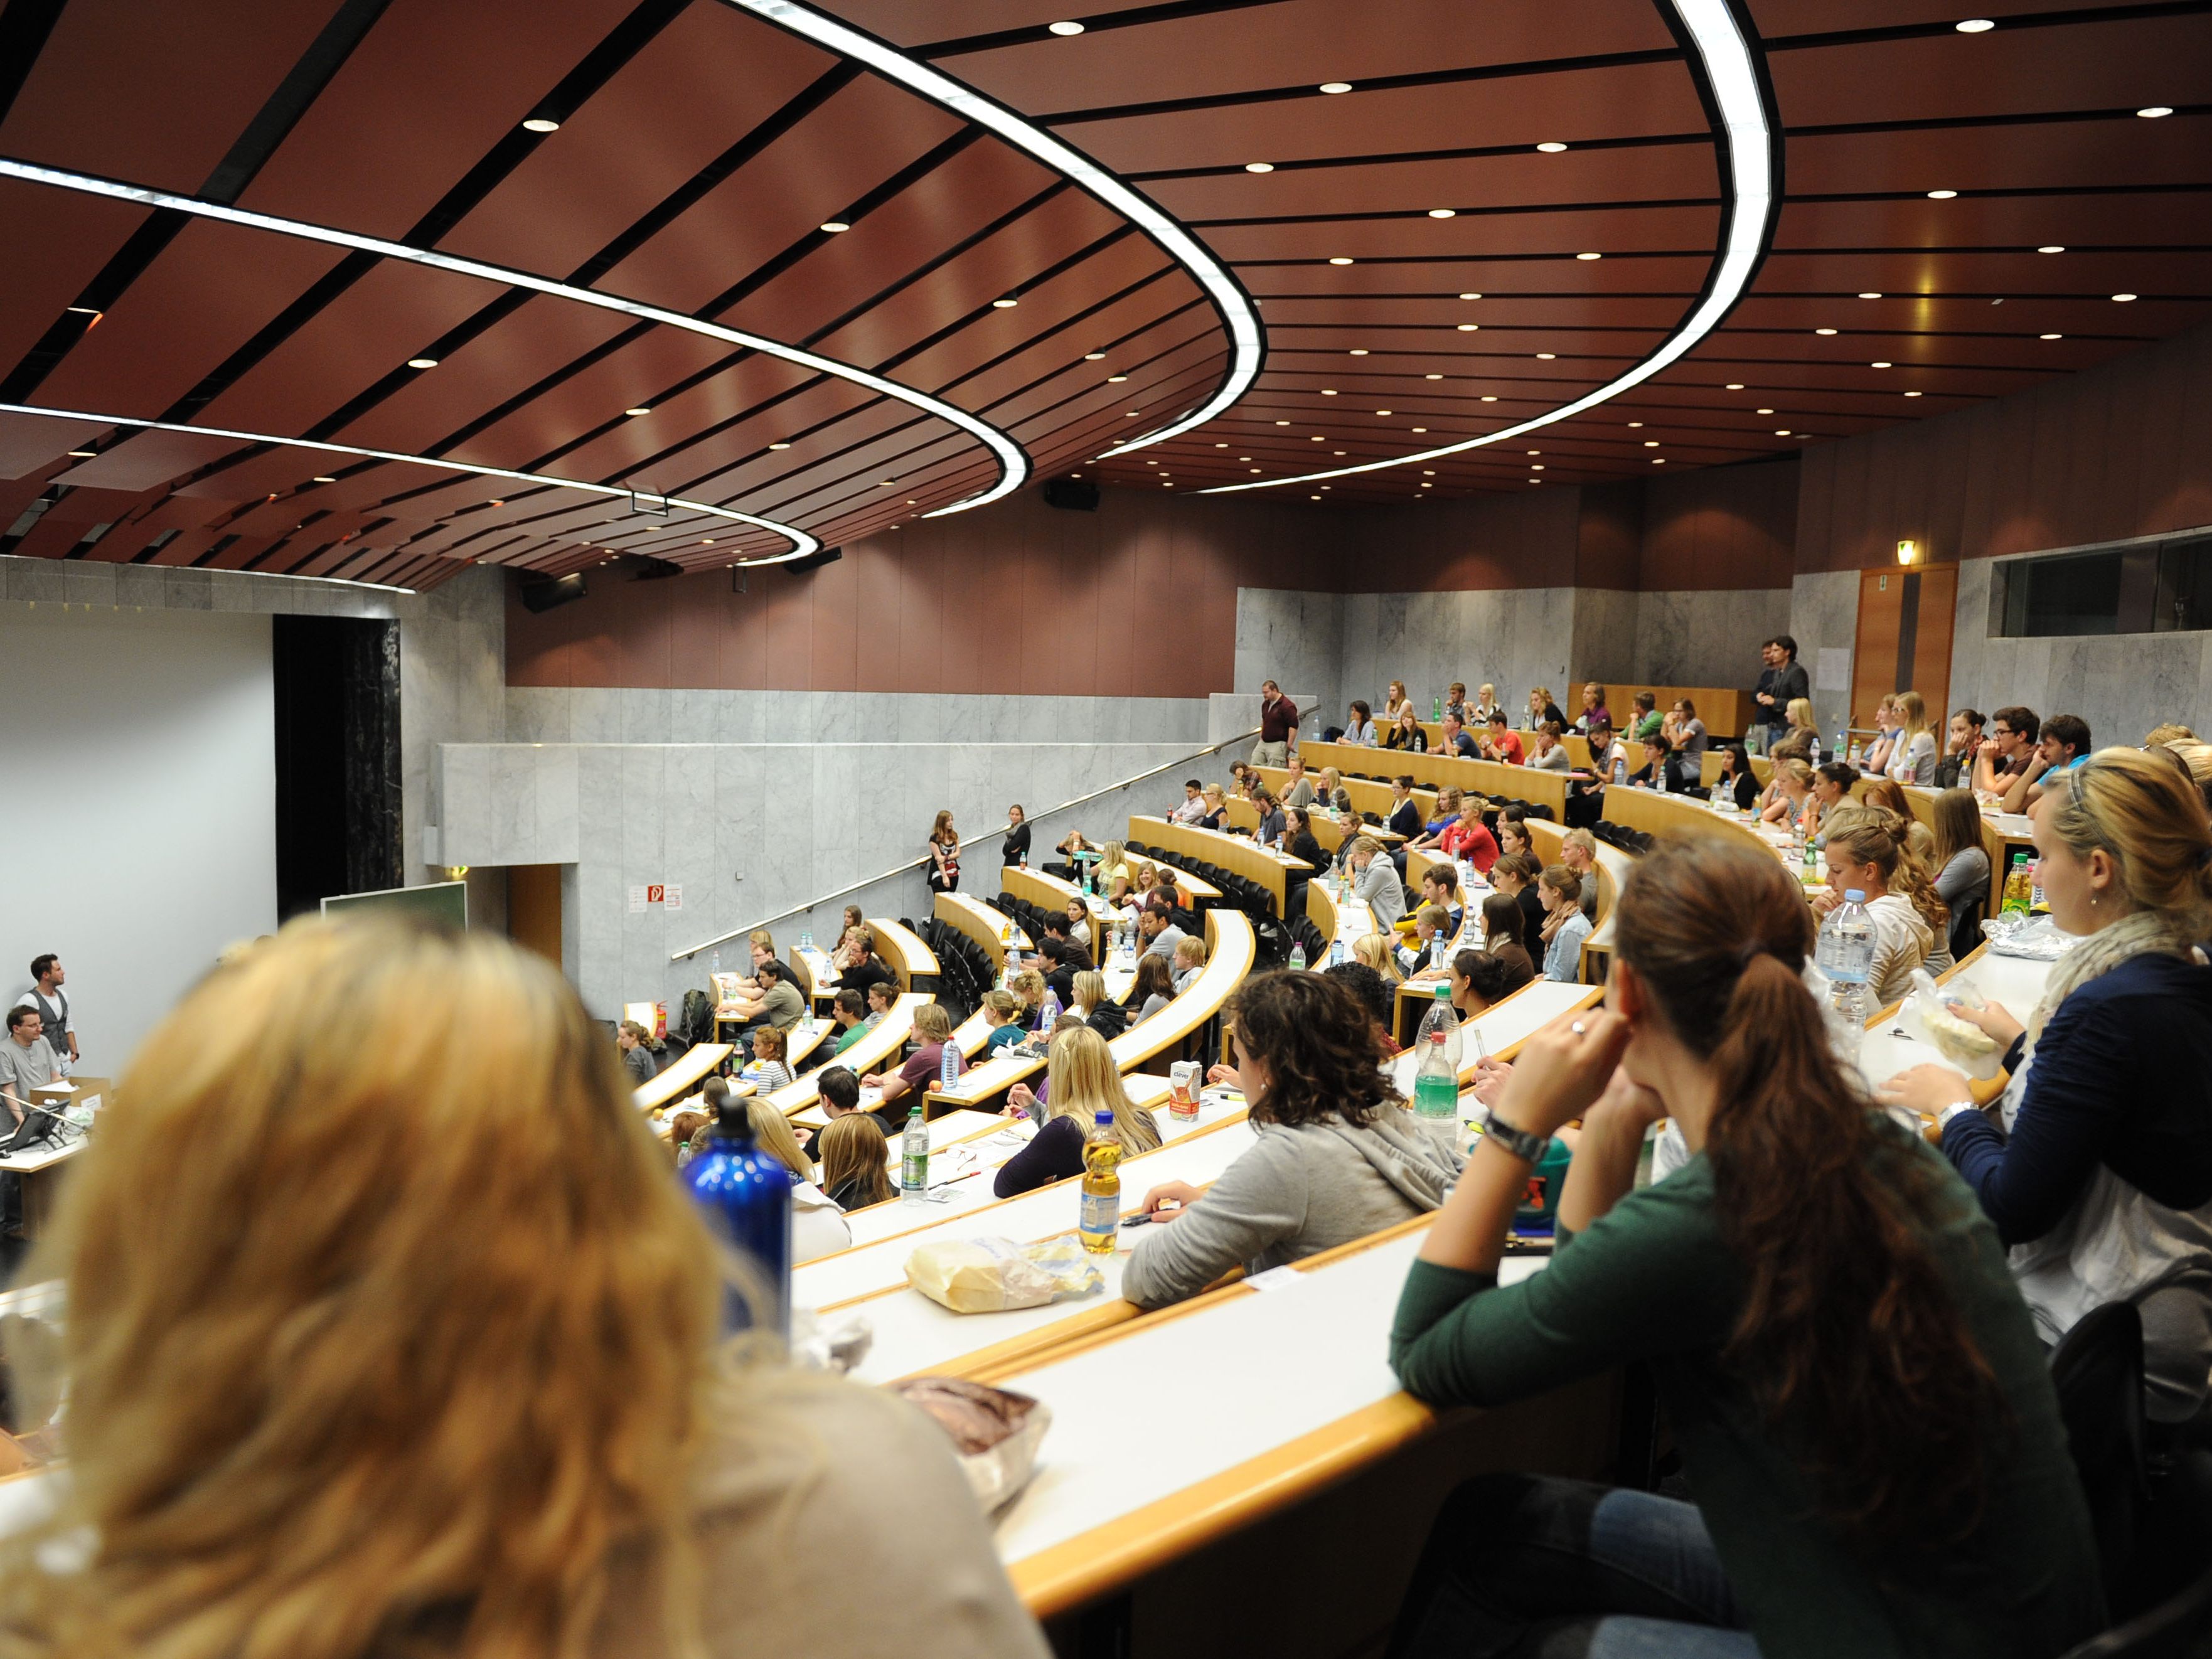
(1849, 1336)
(1324, 1053)
(1154, 979)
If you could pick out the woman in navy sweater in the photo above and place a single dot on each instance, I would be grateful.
(2097, 1168)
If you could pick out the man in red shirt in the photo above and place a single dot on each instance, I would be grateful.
(1499, 743)
(1279, 726)
(1467, 837)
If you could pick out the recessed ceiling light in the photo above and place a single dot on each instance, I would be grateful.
(1313, 498)
(1094, 356)
(1433, 377)
(82, 454)
(1880, 365)
(1069, 27)
(1221, 445)
(1940, 195)
(1336, 86)
(1658, 460)
(2155, 111)
(779, 445)
(1470, 297)
(708, 541)
(1489, 398)
(539, 124)
(887, 483)
(1733, 386)
(637, 411)
(2050, 337)
(325, 477)
(1651, 443)
(1537, 467)
(1359, 351)
(1420, 429)
(1382, 411)
(1116, 380)
(1974, 25)
(1551, 148)
(1339, 260)
(1006, 304)
(1328, 391)
(1631, 423)
(1546, 356)
(1765, 411)
(1259, 166)
(1336, 451)
(1590, 256)
(1468, 328)
(834, 226)
(1535, 452)
(1249, 458)
(1243, 457)
(2124, 298)
(432, 362)
(1824, 330)
(1443, 213)
(1912, 394)
(1428, 486)
(1869, 294)
(1428, 472)
(1782, 433)
(1282, 423)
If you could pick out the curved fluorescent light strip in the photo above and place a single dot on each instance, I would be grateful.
(1013, 461)
(1734, 81)
(801, 542)
(1238, 317)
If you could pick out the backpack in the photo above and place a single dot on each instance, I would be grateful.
(696, 1022)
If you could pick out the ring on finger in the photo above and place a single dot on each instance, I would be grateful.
(1579, 1029)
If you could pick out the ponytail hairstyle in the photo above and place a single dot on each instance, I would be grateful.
(1873, 835)
(1850, 1337)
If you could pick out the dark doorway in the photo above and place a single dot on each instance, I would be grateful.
(338, 757)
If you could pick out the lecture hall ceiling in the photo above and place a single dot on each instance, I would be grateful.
(372, 287)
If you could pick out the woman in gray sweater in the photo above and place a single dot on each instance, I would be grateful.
(1339, 1157)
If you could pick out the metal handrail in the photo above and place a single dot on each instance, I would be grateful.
(900, 869)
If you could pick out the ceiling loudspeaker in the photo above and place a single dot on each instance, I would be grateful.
(538, 596)
(1072, 495)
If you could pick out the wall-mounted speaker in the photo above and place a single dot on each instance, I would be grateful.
(538, 596)
(1072, 495)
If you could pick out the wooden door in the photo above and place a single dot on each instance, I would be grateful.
(533, 908)
(1904, 641)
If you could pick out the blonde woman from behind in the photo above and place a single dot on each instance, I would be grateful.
(391, 1331)
(1081, 1081)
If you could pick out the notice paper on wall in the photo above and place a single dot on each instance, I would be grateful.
(637, 901)
(1832, 668)
(673, 898)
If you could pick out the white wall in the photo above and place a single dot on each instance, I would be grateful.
(144, 840)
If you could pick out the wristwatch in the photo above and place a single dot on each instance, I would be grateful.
(1528, 1148)
(1943, 1118)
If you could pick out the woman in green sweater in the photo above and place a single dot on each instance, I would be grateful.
(1861, 1401)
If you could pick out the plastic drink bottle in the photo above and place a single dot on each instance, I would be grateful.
(1814, 744)
(806, 942)
(1298, 956)
(1051, 1009)
(1844, 952)
(1810, 875)
(2035, 883)
(950, 1065)
(1436, 1080)
(1619, 767)
(746, 1196)
(2019, 886)
(914, 1159)
(1100, 1221)
(1436, 708)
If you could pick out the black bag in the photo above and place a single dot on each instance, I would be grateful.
(696, 1021)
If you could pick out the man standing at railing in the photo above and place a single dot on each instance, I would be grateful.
(1279, 726)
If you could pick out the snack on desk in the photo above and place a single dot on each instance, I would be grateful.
(995, 1433)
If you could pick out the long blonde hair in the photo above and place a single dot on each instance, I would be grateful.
(772, 1130)
(1913, 712)
(1375, 951)
(850, 1147)
(382, 1299)
(1085, 1081)
(1088, 987)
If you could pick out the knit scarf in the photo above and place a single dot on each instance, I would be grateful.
(2140, 933)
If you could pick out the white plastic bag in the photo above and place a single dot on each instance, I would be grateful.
(1961, 1042)
(993, 1275)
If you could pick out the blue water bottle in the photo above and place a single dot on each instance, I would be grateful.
(745, 1195)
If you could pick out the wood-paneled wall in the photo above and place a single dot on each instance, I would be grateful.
(2119, 451)
(1723, 529)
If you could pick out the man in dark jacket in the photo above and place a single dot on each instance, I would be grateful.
(1781, 679)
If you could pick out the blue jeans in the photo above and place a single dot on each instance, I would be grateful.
(1529, 1567)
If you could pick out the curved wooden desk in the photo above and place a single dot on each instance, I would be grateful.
(682, 1075)
(1366, 796)
(884, 1043)
(902, 950)
(986, 924)
(1485, 778)
(1678, 817)
(1239, 854)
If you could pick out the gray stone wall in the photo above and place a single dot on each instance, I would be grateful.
(610, 715)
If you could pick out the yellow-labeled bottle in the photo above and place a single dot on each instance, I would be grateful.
(2019, 885)
(1101, 1223)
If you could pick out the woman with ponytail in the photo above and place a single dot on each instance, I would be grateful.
(1866, 853)
(2096, 1164)
(1858, 1395)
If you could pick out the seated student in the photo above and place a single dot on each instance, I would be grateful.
(1547, 753)
(882, 999)
(345, 1397)
(1095, 1008)
(857, 964)
(1644, 719)
(2064, 745)
(1586, 794)
(1156, 927)
(1455, 702)
(1542, 710)
(1468, 838)
(1485, 705)
(1337, 1156)
(1449, 801)
(1375, 994)
(2011, 746)
(1216, 813)
(1513, 835)
(1188, 961)
(634, 1044)
(1359, 727)
(1028, 986)
(1594, 709)
(818, 1225)
(855, 1163)
(1515, 875)
(760, 944)
(777, 1003)
(1432, 942)
(849, 1011)
(1374, 880)
(1478, 983)
(1271, 817)
(1376, 951)
(1062, 959)
(1561, 892)
(1658, 771)
(683, 1128)
(1687, 732)
(1113, 865)
(1440, 886)
(1962, 866)
(1457, 741)
(1831, 788)
(1498, 742)
(1849, 1374)
(1578, 852)
(1078, 922)
(1962, 742)
(1790, 794)
(1194, 803)
(2096, 1163)
(1153, 988)
(1297, 789)
(1503, 937)
(1002, 1012)
(1407, 734)
(765, 1070)
(1299, 837)
(1081, 1080)
(840, 1098)
(1866, 852)
(1737, 781)
(1404, 818)
(921, 1071)
(1072, 842)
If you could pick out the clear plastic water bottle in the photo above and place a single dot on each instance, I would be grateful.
(1843, 743)
(1470, 1053)
(714, 963)
(1051, 1011)
(806, 942)
(914, 1159)
(1621, 766)
(1297, 956)
(1336, 950)
(1845, 953)
(949, 1066)
(1813, 744)
(1435, 1076)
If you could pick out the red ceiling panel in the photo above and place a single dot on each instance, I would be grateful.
(56, 242)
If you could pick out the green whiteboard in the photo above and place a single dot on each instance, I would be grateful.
(442, 902)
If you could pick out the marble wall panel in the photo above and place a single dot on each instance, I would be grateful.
(1706, 638)
(1824, 613)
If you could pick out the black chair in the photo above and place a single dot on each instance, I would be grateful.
(2169, 1614)
(2097, 1370)
(1967, 923)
